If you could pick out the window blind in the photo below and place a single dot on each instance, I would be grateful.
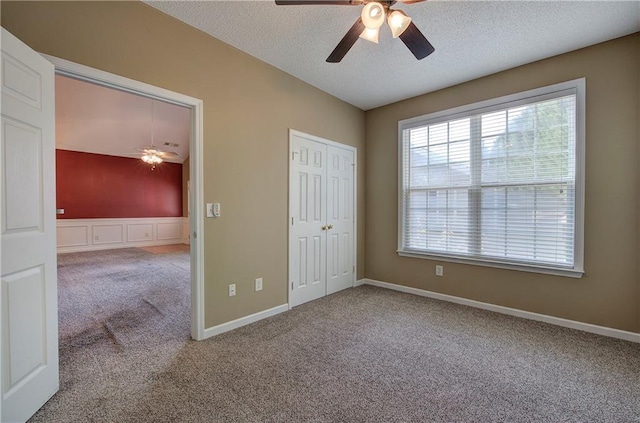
(496, 184)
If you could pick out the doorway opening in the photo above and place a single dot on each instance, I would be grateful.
(164, 103)
(138, 277)
(122, 176)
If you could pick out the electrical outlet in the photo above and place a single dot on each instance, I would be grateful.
(439, 270)
(258, 284)
(232, 290)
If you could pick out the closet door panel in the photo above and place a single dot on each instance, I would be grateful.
(340, 219)
(307, 240)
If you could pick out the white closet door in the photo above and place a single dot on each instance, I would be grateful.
(307, 241)
(340, 219)
(29, 280)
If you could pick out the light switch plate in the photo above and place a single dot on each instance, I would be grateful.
(259, 284)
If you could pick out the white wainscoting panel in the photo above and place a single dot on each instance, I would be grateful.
(139, 232)
(76, 235)
(108, 234)
(169, 230)
(73, 236)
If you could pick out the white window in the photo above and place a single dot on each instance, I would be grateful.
(497, 183)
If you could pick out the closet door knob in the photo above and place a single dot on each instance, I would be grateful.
(330, 227)
(324, 227)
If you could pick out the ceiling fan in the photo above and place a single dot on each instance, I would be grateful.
(368, 24)
(153, 155)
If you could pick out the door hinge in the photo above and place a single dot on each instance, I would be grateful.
(195, 234)
(292, 286)
(292, 221)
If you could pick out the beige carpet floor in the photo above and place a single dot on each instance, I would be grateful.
(362, 355)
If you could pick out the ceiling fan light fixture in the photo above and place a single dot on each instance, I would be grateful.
(398, 22)
(152, 158)
(373, 15)
(370, 34)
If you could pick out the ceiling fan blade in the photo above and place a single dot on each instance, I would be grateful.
(416, 42)
(323, 2)
(347, 42)
(172, 154)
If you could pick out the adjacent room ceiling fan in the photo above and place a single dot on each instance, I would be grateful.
(153, 155)
(368, 25)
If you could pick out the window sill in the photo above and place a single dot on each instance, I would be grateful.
(570, 273)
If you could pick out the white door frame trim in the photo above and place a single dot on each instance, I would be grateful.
(292, 133)
(95, 76)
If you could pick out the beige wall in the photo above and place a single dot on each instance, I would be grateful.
(185, 180)
(248, 108)
(608, 293)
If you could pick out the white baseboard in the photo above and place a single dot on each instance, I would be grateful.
(234, 324)
(83, 249)
(586, 327)
(359, 282)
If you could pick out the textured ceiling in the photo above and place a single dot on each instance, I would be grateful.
(95, 119)
(472, 39)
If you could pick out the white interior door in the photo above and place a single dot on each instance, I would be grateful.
(29, 280)
(340, 219)
(307, 241)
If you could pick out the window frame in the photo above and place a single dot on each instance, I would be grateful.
(576, 87)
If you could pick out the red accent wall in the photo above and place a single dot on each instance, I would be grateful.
(98, 186)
